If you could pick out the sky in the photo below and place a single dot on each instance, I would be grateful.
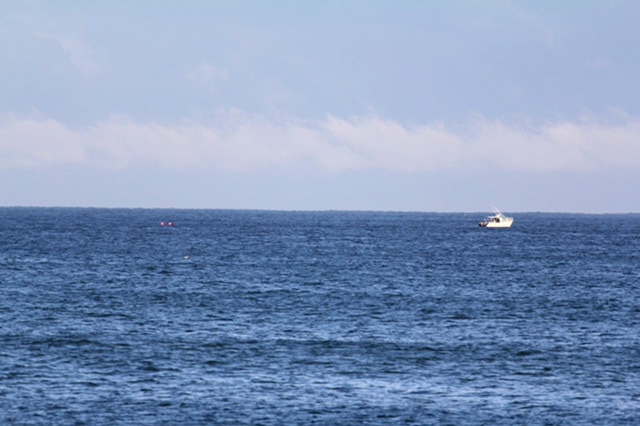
(410, 105)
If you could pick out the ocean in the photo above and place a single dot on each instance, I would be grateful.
(198, 317)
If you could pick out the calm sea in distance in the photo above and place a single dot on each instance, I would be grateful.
(325, 318)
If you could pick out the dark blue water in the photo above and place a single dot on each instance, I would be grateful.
(250, 317)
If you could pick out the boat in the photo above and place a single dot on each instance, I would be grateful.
(498, 220)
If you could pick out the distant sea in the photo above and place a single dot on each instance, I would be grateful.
(110, 316)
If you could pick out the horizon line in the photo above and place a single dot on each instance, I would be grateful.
(312, 210)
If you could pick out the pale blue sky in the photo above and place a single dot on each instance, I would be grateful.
(368, 105)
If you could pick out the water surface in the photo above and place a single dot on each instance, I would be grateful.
(258, 317)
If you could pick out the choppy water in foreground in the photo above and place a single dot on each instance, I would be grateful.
(250, 317)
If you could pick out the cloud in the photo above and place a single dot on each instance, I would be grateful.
(80, 54)
(208, 75)
(235, 142)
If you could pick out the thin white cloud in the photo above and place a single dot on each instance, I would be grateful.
(504, 17)
(79, 53)
(38, 143)
(237, 143)
(208, 75)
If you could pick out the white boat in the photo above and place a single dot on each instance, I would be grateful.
(498, 220)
